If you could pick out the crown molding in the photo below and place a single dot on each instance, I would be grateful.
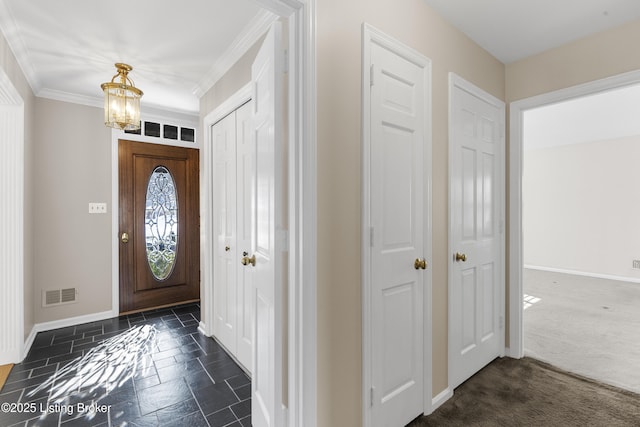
(92, 101)
(256, 28)
(10, 30)
(73, 98)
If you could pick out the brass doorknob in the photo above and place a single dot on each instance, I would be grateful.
(420, 263)
(461, 257)
(246, 260)
(125, 237)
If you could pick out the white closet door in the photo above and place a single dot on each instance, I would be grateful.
(476, 278)
(225, 250)
(397, 237)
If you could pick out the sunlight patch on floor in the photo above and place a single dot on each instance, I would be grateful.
(102, 369)
(530, 300)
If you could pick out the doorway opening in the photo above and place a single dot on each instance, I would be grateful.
(579, 235)
(555, 265)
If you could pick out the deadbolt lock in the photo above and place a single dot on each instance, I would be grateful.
(125, 237)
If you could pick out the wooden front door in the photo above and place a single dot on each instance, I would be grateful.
(159, 225)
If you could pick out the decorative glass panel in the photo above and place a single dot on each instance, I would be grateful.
(161, 223)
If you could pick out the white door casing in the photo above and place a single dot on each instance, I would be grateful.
(225, 249)
(516, 155)
(269, 235)
(12, 244)
(476, 207)
(397, 211)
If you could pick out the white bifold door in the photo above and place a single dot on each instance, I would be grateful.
(234, 157)
(476, 264)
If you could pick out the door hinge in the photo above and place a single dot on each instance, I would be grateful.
(371, 236)
(501, 322)
(371, 396)
(372, 74)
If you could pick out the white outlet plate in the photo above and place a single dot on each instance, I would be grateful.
(97, 208)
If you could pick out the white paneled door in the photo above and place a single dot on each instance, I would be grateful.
(476, 265)
(245, 159)
(225, 252)
(269, 237)
(397, 236)
(233, 298)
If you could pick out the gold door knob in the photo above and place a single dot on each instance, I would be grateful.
(125, 237)
(420, 263)
(246, 260)
(461, 257)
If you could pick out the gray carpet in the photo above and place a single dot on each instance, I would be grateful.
(585, 325)
(527, 392)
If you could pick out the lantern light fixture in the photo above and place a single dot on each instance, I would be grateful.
(121, 100)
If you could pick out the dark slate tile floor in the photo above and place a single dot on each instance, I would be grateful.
(145, 369)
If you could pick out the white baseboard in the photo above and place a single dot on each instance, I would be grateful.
(512, 353)
(29, 342)
(64, 323)
(202, 328)
(442, 397)
(584, 273)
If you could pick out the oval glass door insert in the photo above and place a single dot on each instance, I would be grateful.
(161, 223)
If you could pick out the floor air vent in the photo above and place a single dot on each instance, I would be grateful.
(58, 297)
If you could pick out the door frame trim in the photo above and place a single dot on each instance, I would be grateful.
(372, 35)
(13, 346)
(516, 157)
(457, 81)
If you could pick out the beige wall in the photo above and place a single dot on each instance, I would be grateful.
(339, 181)
(10, 66)
(72, 247)
(580, 208)
(232, 81)
(591, 58)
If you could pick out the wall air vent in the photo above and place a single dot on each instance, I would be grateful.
(58, 297)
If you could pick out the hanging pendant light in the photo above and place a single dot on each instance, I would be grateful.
(121, 101)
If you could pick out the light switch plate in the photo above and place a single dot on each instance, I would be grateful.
(97, 208)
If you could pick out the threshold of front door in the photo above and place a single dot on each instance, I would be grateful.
(173, 304)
